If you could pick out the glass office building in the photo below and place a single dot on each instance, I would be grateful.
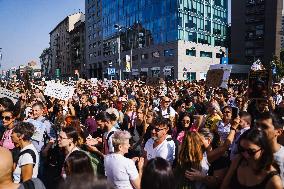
(164, 24)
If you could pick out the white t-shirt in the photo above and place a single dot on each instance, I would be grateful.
(24, 160)
(120, 170)
(279, 159)
(165, 112)
(164, 150)
(106, 134)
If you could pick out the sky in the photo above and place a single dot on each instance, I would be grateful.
(25, 27)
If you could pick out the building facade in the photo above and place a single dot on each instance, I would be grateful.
(256, 30)
(45, 61)
(184, 36)
(60, 46)
(282, 36)
(77, 41)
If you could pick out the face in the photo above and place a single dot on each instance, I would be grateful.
(149, 118)
(263, 106)
(140, 115)
(186, 122)
(159, 131)
(227, 114)
(275, 89)
(63, 140)
(249, 150)
(37, 112)
(239, 101)
(124, 147)
(84, 99)
(268, 128)
(15, 138)
(243, 122)
(182, 107)
(7, 118)
(166, 102)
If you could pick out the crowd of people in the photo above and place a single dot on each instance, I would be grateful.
(132, 134)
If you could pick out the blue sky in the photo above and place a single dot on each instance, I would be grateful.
(25, 27)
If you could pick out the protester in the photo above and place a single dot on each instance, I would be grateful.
(78, 162)
(161, 144)
(269, 123)
(158, 174)
(8, 117)
(254, 168)
(121, 171)
(28, 160)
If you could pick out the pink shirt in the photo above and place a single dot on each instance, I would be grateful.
(6, 140)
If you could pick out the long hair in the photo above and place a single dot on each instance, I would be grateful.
(259, 138)
(78, 162)
(158, 174)
(191, 151)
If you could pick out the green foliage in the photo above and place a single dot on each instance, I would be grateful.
(279, 63)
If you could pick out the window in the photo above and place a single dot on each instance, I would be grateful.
(144, 56)
(169, 52)
(205, 54)
(191, 52)
(156, 54)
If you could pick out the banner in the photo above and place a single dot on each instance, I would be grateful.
(9, 94)
(259, 84)
(59, 91)
(214, 78)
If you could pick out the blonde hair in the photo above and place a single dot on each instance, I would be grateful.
(191, 152)
(120, 137)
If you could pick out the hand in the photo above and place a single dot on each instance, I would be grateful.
(235, 122)
(194, 175)
(92, 141)
(140, 163)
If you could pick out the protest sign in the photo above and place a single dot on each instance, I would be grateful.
(259, 84)
(214, 78)
(59, 91)
(9, 94)
(226, 75)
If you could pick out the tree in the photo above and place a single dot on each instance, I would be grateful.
(278, 64)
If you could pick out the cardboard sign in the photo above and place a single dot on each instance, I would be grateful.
(59, 91)
(9, 94)
(214, 78)
(259, 84)
(227, 72)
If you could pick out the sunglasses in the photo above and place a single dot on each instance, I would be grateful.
(7, 118)
(157, 129)
(250, 152)
(167, 101)
(186, 121)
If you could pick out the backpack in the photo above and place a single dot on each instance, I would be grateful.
(28, 151)
(29, 184)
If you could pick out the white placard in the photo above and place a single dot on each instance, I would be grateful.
(59, 91)
(9, 94)
(94, 80)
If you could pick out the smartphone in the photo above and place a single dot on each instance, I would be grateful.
(235, 112)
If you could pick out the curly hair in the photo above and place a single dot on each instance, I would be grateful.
(26, 129)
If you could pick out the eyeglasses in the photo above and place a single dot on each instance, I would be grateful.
(158, 129)
(186, 121)
(250, 152)
(7, 118)
(167, 101)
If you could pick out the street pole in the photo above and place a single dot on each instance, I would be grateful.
(119, 58)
